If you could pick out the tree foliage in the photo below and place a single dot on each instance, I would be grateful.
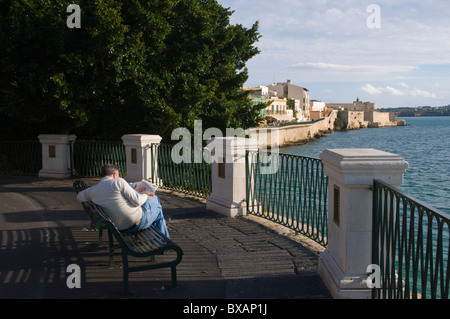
(134, 66)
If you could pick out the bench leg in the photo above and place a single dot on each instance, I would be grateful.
(125, 273)
(100, 237)
(111, 249)
(174, 276)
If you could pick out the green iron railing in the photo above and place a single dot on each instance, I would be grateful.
(410, 245)
(293, 192)
(20, 157)
(192, 178)
(88, 157)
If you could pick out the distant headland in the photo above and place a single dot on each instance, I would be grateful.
(418, 111)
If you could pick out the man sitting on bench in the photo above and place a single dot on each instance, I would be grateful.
(129, 210)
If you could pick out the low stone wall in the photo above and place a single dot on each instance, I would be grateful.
(292, 134)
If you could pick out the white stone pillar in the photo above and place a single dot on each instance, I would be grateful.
(228, 175)
(55, 155)
(343, 265)
(137, 148)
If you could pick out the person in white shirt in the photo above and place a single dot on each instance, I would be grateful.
(129, 210)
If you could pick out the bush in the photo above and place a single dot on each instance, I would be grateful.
(339, 124)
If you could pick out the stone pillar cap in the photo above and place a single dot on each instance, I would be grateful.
(363, 158)
(55, 138)
(363, 165)
(139, 140)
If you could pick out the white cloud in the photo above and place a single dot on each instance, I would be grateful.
(378, 69)
(370, 89)
(422, 93)
(394, 91)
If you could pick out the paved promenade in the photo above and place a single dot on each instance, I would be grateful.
(44, 230)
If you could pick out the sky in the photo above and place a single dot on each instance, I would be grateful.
(393, 53)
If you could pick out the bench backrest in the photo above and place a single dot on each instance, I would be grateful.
(87, 206)
(96, 214)
(138, 241)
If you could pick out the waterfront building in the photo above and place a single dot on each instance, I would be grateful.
(317, 109)
(363, 114)
(355, 106)
(258, 95)
(295, 106)
(297, 93)
(278, 109)
(276, 106)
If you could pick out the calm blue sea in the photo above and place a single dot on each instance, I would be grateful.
(424, 144)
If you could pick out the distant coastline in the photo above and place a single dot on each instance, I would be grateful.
(418, 111)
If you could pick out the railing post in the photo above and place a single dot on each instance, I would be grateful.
(228, 174)
(56, 155)
(137, 148)
(343, 265)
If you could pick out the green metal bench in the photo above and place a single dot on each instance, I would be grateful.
(146, 243)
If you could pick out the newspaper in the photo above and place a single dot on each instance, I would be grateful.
(144, 187)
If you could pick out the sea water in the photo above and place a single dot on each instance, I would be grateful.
(424, 143)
